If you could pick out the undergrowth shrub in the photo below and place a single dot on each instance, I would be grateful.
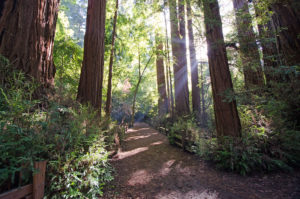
(269, 142)
(71, 138)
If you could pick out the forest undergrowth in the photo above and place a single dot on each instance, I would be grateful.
(69, 136)
(270, 137)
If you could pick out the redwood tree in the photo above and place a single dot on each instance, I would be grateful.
(194, 65)
(168, 67)
(226, 115)
(248, 48)
(286, 19)
(27, 30)
(268, 43)
(178, 37)
(161, 81)
(91, 78)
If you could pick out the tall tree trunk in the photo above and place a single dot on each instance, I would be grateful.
(161, 81)
(248, 48)
(286, 20)
(194, 65)
(267, 39)
(27, 30)
(203, 112)
(179, 57)
(91, 78)
(168, 66)
(111, 61)
(226, 115)
(169, 104)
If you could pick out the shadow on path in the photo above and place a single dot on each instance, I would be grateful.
(149, 167)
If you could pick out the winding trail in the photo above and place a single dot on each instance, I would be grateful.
(149, 167)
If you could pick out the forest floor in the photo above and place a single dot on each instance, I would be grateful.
(149, 167)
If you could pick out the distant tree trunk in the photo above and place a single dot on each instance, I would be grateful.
(203, 112)
(194, 65)
(168, 66)
(267, 38)
(161, 81)
(248, 47)
(226, 115)
(179, 54)
(286, 20)
(141, 75)
(111, 61)
(168, 84)
(27, 30)
(91, 78)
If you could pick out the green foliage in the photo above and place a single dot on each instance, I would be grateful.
(78, 165)
(183, 126)
(265, 146)
(70, 138)
(252, 152)
(68, 57)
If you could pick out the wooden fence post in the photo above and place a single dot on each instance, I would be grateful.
(39, 180)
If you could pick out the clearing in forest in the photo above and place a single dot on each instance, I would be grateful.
(149, 167)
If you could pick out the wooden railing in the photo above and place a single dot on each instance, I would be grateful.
(31, 191)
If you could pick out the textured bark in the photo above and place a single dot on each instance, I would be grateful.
(286, 19)
(194, 65)
(248, 47)
(226, 115)
(179, 56)
(161, 81)
(267, 39)
(169, 103)
(111, 61)
(91, 78)
(27, 30)
(203, 112)
(168, 68)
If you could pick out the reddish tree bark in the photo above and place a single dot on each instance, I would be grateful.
(168, 68)
(161, 82)
(270, 51)
(286, 19)
(203, 112)
(194, 65)
(111, 61)
(248, 48)
(226, 115)
(179, 56)
(91, 78)
(27, 30)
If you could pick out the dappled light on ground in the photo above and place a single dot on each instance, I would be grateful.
(126, 154)
(149, 167)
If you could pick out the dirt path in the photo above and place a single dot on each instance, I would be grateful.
(149, 167)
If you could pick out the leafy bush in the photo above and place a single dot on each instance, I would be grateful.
(254, 153)
(70, 138)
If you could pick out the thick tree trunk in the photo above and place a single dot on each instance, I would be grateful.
(27, 30)
(286, 20)
(161, 82)
(91, 78)
(226, 115)
(168, 67)
(194, 65)
(248, 47)
(179, 57)
(111, 61)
